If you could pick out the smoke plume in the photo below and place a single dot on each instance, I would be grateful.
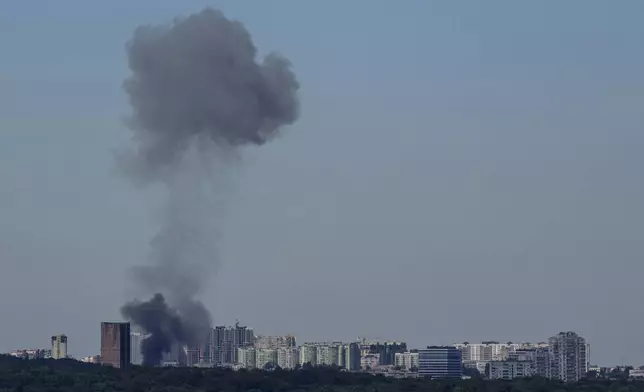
(197, 94)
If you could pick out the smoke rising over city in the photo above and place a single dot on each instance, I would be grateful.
(197, 94)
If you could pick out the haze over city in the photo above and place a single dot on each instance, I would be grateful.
(459, 172)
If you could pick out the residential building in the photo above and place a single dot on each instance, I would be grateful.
(288, 357)
(492, 350)
(264, 357)
(510, 369)
(31, 353)
(352, 357)
(485, 351)
(407, 360)
(115, 344)
(385, 349)
(308, 354)
(439, 362)
(568, 357)
(327, 354)
(370, 361)
(265, 341)
(538, 356)
(192, 355)
(59, 347)
(224, 342)
(480, 366)
(246, 357)
(91, 359)
(136, 340)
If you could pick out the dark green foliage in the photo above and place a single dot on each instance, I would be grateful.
(19, 375)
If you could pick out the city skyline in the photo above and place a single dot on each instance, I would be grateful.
(481, 163)
(565, 356)
(224, 342)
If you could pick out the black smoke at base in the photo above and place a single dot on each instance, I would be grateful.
(162, 323)
(197, 95)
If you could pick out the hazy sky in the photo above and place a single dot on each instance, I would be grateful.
(461, 171)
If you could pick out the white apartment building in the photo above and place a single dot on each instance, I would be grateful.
(327, 355)
(510, 369)
(288, 357)
(493, 351)
(568, 355)
(264, 356)
(407, 360)
(308, 354)
(136, 339)
(59, 347)
(247, 357)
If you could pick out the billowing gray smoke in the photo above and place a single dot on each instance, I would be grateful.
(197, 94)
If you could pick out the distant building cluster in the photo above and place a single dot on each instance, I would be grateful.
(31, 353)
(565, 356)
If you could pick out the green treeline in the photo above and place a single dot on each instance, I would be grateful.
(21, 375)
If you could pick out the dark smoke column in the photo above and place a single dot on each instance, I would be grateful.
(197, 93)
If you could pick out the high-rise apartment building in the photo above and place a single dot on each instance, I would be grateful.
(308, 354)
(439, 362)
(136, 340)
(493, 351)
(385, 349)
(265, 341)
(288, 357)
(264, 357)
(327, 354)
(115, 344)
(538, 356)
(246, 357)
(351, 357)
(59, 347)
(407, 360)
(568, 357)
(224, 342)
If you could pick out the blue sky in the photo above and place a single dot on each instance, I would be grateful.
(461, 171)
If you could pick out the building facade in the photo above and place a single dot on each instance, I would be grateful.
(386, 350)
(266, 341)
(352, 357)
(246, 357)
(288, 357)
(407, 360)
(439, 362)
(59, 347)
(224, 342)
(370, 361)
(115, 344)
(327, 354)
(308, 354)
(568, 356)
(136, 340)
(510, 369)
(493, 351)
(265, 357)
